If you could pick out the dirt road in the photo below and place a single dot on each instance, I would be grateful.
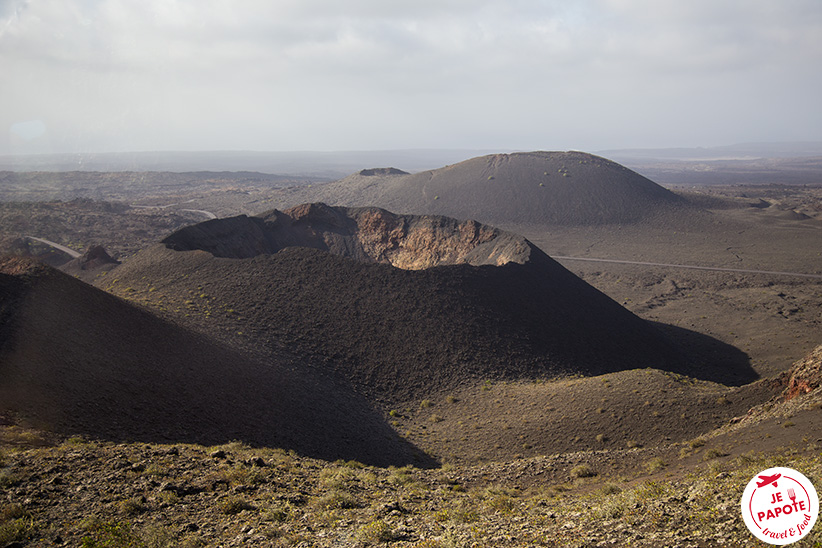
(62, 248)
(692, 267)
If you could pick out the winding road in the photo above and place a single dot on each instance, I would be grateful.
(74, 254)
(210, 215)
(62, 248)
(691, 267)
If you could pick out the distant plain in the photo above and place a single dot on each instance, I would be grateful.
(742, 216)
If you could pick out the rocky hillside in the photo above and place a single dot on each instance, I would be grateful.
(76, 360)
(177, 495)
(806, 375)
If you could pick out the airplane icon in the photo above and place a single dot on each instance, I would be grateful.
(767, 480)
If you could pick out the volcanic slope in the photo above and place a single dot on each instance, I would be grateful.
(400, 306)
(80, 361)
(529, 188)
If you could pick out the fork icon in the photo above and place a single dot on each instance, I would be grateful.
(792, 494)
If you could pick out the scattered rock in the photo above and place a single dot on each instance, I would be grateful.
(256, 461)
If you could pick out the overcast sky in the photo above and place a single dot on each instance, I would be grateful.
(130, 75)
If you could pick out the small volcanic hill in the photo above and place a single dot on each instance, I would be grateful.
(399, 306)
(541, 188)
(77, 360)
(94, 262)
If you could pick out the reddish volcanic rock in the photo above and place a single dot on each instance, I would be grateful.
(806, 374)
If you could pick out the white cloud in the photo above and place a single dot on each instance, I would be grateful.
(370, 73)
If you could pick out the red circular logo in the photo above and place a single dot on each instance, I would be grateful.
(780, 505)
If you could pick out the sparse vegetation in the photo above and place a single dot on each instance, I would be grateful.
(610, 489)
(234, 505)
(169, 497)
(714, 453)
(110, 534)
(155, 469)
(583, 471)
(8, 478)
(336, 499)
(393, 504)
(696, 442)
(376, 531)
(280, 513)
(132, 506)
(16, 524)
(655, 465)
(158, 536)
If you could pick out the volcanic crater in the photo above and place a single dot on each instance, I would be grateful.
(400, 306)
(368, 235)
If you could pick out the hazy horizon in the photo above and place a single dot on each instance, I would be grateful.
(96, 76)
(336, 164)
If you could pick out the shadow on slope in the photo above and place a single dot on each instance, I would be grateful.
(711, 359)
(78, 360)
(616, 411)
